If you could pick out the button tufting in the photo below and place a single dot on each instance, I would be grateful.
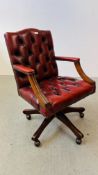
(56, 92)
(32, 39)
(66, 89)
(37, 60)
(20, 40)
(43, 38)
(30, 52)
(53, 88)
(35, 49)
(40, 50)
(45, 69)
(16, 52)
(76, 84)
(47, 58)
(50, 47)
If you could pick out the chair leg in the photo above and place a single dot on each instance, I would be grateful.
(37, 134)
(75, 109)
(68, 123)
(28, 113)
(61, 117)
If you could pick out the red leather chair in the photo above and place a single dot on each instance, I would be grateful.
(34, 64)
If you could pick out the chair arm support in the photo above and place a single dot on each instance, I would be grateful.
(82, 74)
(71, 59)
(77, 66)
(23, 69)
(44, 103)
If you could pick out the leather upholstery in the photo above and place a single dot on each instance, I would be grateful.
(33, 48)
(31, 51)
(60, 91)
(23, 69)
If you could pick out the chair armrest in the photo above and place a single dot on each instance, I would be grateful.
(71, 59)
(82, 74)
(77, 66)
(44, 103)
(23, 69)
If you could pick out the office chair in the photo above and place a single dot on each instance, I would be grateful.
(34, 63)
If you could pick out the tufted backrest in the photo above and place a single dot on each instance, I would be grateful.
(32, 48)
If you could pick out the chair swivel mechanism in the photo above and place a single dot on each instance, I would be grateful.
(34, 64)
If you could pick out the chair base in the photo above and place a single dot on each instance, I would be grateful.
(62, 117)
(28, 113)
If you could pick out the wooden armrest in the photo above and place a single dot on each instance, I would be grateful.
(23, 69)
(77, 66)
(44, 103)
(71, 59)
(82, 74)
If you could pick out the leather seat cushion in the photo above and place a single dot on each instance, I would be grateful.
(60, 91)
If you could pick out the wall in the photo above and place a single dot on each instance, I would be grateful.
(74, 26)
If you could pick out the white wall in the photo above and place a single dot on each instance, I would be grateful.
(74, 26)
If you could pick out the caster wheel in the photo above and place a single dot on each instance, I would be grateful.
(37, 143)
(78, 141)
(28, 117)
(81, 114)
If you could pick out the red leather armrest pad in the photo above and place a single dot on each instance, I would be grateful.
(23, 69)
(71, 59)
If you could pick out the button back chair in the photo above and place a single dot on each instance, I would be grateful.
(35, 69)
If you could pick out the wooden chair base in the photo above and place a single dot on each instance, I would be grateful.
(37, 134)
(28, 113)
(62, 117)
(80, 110)
(68, 123)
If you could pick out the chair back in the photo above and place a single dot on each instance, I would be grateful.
(32, 48)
